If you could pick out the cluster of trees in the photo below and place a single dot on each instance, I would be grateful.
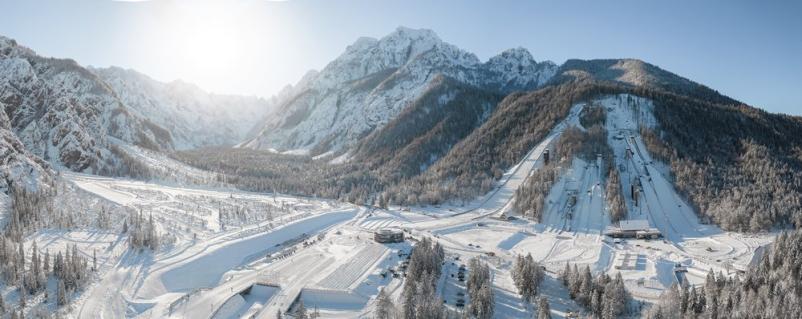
(385, 308)
(603, 296)
(70, 268)
(587, 144)
(425, 266)
(530, 198)
(123, 164)
(527, 274)
(30, 210)
(35, 209)
(615, 197)
(592, 115)
(142, 233)
(480, 289)
(773, 289)
(265, 171)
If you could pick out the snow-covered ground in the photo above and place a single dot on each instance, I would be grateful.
(226, 253)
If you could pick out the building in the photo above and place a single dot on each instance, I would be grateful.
(635, 228)
(388, 235)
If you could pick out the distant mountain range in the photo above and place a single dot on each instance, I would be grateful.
(73, 117)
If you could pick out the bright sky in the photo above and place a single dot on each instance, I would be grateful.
(751, 51)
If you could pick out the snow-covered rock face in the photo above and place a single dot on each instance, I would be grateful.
(64, 113)
(193, 117)
(515, 69)
(374, 80)
(17, 166)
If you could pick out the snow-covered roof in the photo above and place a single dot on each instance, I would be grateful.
(634, 224)
(388, 231)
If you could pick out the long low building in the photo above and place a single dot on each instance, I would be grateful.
(636, 228)
(388, 235)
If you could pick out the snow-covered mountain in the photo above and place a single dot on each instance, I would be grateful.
(374, 80)
(193, 117)
(65, 114)
(75, 117)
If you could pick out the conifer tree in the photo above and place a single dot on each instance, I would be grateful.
(543, 311)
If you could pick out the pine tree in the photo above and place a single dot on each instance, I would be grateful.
(22, 298)
(410, 290)
(62, 293)
(488, 301)
(543, 310)
(585, 287)
(711, 291)
(278, 314)
(384, 306)
(46, 266)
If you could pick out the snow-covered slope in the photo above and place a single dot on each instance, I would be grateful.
(17, 166)
(65, 114)
(194, 118)
(374, 80)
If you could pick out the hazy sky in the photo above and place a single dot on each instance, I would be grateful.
(751, 51)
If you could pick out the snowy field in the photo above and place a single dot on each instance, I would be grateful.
(226, 253)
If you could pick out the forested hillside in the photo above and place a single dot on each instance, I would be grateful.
(419, 136)
(518, 123)
(740, 167)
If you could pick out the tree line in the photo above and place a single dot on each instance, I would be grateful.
(420, 300)
(604, 297)
(69, 268)
(772, 289)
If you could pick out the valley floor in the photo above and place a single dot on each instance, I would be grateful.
(235, 254)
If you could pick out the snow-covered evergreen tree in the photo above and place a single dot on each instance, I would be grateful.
(385, 309)
(543, 309)
(61, 296)
(480, 290)
(527, 275)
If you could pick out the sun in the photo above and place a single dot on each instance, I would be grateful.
(221, 46)
(206, 39)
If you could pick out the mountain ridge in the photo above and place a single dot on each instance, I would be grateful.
(328, 107)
